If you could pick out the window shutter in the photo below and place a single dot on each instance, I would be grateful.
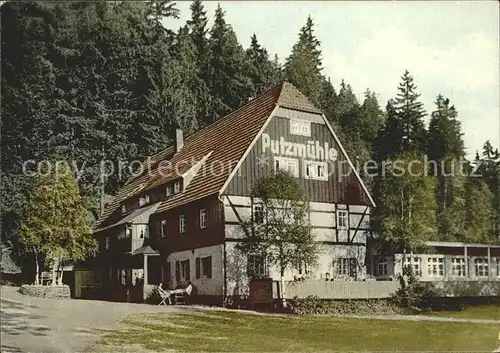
(177, 271)
(168, 276)
(188, 269)
(197, 267)
(209, 269)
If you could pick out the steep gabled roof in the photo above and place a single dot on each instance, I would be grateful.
(224, 141)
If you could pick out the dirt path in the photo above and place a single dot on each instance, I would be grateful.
(30, 324)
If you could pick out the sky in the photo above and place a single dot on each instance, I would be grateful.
(450, 48)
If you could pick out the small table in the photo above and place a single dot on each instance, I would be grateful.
(175, 293)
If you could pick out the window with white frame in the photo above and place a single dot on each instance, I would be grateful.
(256, 266)
(168, 190)
(203, 218)
(342, 219)
(182, 223)
(163, 230)
(141, 201)
(107, 243)
(435, 266)
(177, 187)
(146, 199)
(300, 127)
(289, 165)
(458, 268)
(415, 263)
(482, 267)
(316, 170)
(258, 214)
(124, 208)
(347, 266)
(382, 268)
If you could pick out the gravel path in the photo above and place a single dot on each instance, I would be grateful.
(30, 324)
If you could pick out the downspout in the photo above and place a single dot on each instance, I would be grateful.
(224, 257)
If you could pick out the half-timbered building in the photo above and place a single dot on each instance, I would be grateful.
(180, 219)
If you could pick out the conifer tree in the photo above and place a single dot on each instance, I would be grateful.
(445, 147)
(261, 70)
(229, 86)
(304, 65)
(410, 112)
(445, 136)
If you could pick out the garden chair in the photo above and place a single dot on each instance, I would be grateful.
(163, 295)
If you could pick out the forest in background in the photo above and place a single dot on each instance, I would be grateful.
(102, 80)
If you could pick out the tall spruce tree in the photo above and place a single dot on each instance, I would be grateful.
(303, 67)
(445, 147)
(404, 130)
(411, 112)
(261, 70)
(228, 84)
(445, 136)
(371, 117)
(489, 169)
(198, 32)
(184, 84)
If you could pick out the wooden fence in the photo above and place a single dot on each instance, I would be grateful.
(337, 289)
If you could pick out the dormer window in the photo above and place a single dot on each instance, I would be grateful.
(177, 187)
(143, 200)
(168, 191)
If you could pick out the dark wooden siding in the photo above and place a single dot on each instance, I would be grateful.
(194, 237)
(345, 189)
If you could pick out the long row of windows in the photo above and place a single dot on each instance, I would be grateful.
(436, 266)
(183, 223)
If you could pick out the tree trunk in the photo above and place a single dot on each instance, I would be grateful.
(60, 275)
(37, 270)
(55, 265)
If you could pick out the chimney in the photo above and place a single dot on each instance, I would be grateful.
(179, 140)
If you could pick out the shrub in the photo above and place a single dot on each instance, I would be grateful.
(313, 305)
(412, 293)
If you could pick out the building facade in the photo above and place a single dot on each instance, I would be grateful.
(180, 220)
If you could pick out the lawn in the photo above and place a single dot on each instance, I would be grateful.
(488, 312)
(217, 331)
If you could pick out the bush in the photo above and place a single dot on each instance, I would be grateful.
(313, 305)
(412, 293)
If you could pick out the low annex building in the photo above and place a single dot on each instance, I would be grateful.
(180, 220)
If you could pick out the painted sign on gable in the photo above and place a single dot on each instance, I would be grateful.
(310, 150)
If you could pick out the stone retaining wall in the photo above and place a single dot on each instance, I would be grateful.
(60, 292)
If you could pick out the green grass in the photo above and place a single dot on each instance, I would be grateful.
(238, 332)
(488, 312)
